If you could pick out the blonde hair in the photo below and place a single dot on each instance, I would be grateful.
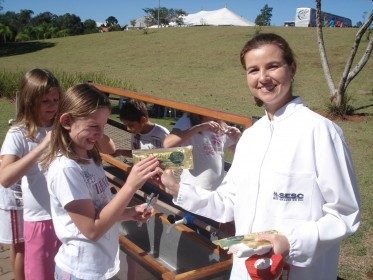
(79, 102)
(34, 85)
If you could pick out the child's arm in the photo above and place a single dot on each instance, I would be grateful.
(177, 137)
(94, 225)
(14, 168)
(139, 213)
(106, 145)
(122, 152)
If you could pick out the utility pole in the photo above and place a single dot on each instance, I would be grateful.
(159, 6)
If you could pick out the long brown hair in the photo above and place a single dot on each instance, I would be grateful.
(35, 83)
(268, 39)
(79, 102)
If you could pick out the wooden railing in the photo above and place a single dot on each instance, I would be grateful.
(227, 117)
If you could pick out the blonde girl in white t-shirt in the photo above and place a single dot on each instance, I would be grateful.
(24, 143)
(84, 212)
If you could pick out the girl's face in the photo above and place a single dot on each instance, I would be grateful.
(48, 107)
(268, 76)
(84, 132)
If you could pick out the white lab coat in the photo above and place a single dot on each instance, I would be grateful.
(293, 174)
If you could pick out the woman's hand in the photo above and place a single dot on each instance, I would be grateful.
(279, 242)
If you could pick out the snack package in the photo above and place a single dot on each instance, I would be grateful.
(246, 245)
(169, 158)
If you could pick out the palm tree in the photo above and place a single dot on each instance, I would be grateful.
(5, 31)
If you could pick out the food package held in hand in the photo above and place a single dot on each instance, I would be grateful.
(169, 158)
(244, 246)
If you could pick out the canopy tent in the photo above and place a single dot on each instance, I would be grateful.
(218, 17)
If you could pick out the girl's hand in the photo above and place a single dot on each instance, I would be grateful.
(279, 242)
(142, 171)
(233, 133)
(142, 212)
(209, 126)
(46, 140)
(171, 186)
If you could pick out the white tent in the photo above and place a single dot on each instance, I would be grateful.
(218, 17)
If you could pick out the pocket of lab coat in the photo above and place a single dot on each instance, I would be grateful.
(292, 195)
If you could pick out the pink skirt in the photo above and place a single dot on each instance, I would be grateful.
(41, 246)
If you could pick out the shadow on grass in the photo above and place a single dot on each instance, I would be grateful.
(16, 48)
(364, 107)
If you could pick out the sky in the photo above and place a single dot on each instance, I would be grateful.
(125, 10)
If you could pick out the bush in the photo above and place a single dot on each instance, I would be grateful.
(345, 109)
(10, 81)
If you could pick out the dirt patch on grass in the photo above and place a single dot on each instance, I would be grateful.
(348, 118)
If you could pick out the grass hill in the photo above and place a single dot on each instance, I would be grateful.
(199, 65)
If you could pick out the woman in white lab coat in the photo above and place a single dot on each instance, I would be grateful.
(292, 172)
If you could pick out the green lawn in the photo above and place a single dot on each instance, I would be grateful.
(201, 66)
(197, 65)
(8, 111)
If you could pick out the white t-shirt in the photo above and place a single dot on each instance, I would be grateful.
(79, 256)
(151, 140)
(35, 195)
(208, 157)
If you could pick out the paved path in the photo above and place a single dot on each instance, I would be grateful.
(5, 266)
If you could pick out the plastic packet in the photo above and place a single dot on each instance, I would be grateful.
(248, 240)
(169, 158)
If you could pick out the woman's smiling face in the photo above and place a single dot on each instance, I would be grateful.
(268, 76)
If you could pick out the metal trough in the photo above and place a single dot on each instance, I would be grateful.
(173, 252)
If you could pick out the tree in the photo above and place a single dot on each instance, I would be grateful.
(133, 22)
(264, 18)
(165, 15)
(5, 31)
(11, 20)
(358, 24)
(338, 94)
(70, 22)
(45, 17)
(26, 34)
(90, 26)
(111, 21)
(179, 17)
(22, 36)
(25, 16)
